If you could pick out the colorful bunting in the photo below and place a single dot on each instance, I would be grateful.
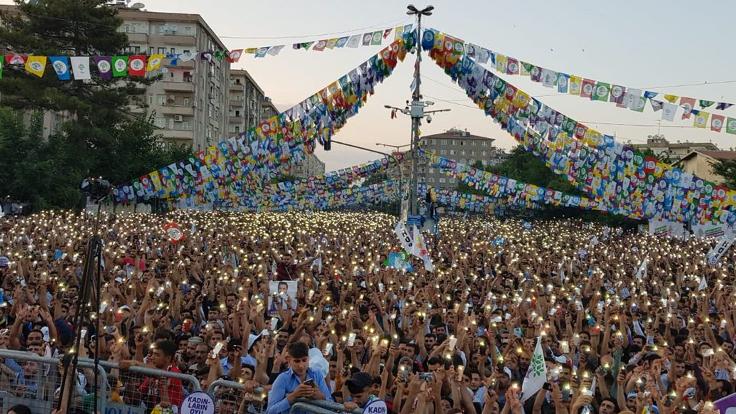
(36, 65)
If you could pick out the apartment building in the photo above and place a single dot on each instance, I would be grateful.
(458, 145)
(673, 151)
(190, 102)
(247, 103)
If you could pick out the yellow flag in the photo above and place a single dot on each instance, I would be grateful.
(154, 62)
(701, 119)
(36, 65)
(671, 98)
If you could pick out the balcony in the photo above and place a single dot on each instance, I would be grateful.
(176, 110)
(174, 40)
(137, 38)
(181, 65)
(178, 86)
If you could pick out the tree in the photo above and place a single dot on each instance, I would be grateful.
(101, 138)
(523, 166)
(727, 170)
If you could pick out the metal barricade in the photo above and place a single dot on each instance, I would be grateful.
(321, 407)
(228, 396)
(35, 381)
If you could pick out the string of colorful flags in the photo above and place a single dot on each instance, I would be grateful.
(497, 186)
(69, 68)
(617, 176)
(472, 202)
(622, 96)
(226, 172)
(373, 38)
(327, 182)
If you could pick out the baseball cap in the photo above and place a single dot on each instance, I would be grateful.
(358, 382)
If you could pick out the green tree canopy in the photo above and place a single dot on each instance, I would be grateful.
(101, 137)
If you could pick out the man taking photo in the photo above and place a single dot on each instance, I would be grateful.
(299, 381)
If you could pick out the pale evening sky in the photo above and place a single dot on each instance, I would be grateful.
(638, 44)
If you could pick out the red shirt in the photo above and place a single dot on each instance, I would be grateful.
(151, 388)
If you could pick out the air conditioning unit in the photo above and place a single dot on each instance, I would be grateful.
(178, 118)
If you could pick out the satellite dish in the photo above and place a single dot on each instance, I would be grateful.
(138, 6)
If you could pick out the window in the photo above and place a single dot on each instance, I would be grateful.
(443, 152)
(150, 50)
(430, 180)
(172, 51)
(482, 153)
(187, 76)
(126, 28)
(472, 153)
(462, 143)
(162, 50)
(452, 152)
(442, 180)
(161, 99)
(431, 170)
(186, 101)
(237, 114)
(186, 51)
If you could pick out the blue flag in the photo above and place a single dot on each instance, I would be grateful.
(61, 67)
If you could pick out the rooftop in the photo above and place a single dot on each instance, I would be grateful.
(132, 14)
(457, 134)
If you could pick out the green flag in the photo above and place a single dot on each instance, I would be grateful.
(730, 124)
(119, 66)
(600, 92)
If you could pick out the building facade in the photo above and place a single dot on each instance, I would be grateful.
(311, 166)
(245, 102)
(701, 163)
(458, 145)
(190, 102)
(673, 151)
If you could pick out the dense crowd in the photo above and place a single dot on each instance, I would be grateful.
(627, 322)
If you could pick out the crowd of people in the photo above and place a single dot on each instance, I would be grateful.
(626, 322)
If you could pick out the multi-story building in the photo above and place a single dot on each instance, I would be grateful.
(268, 109)
(190, 102)
(673, 151)
(245, 102)
(311, 166)
(458, 145)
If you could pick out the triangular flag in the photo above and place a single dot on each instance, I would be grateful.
(656, 105)
(36, 65)
(331, 43)
(80, 67)
(671, 98)
(320, 46)
(536, 374)
(341, 42)
(705, 104)
(154, 62)
(262, 51)
(275, 50)
(386, 33)
(61, 67)
(722, 106)
(234, 55)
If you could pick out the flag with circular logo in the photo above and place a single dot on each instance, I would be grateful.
(36, 65)
(601, 91)
(137, 65)
(119, 66)
(154, 62)
(173, 232)
(104, 67)
(61, 67)
(731, 126)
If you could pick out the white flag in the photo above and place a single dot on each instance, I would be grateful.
(80, 67)
(354, 41)
(273, 51)
(406, 240)
(668, 111)
(642, 269)
(420, 249)
(703, 284)
(536, 375)
(724, 243)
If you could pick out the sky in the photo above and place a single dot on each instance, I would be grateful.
(639, 44)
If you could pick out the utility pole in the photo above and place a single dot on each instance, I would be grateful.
(415, 108)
